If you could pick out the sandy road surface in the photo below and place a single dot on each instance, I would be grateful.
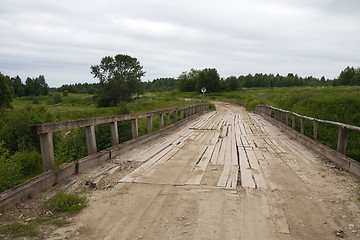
(228, 174)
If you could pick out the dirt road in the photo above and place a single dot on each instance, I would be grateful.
(228, 174)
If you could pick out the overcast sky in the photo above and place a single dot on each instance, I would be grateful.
(62, 39)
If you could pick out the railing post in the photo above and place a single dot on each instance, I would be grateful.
(281, 116)
(134, 128)
(287, 119)
(293, 121)
(342, 143)
(302, 125)
(175, 116)
(149, 124)
(47, 151)
(315, 130)
(181, 114)
(167, 119)
(114, 134)
(161, 121)
(90, 139)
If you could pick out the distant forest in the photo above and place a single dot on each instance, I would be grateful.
(193, 81)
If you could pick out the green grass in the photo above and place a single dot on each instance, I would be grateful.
(65, 202)
(17, 229)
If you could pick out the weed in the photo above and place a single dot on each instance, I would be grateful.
(19, 230)
(65, 202)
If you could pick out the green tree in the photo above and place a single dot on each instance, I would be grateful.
(210, 79)
(119, 79)
(6, 93)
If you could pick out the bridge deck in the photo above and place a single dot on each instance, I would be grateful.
(228, 174)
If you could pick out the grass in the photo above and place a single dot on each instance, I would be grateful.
(65, 202)
(17, 229)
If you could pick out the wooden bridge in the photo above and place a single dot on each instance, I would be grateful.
(226, 174)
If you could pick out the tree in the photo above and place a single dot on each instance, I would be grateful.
(36, 86)
(119, 79)
(6, 93)
(210, 79)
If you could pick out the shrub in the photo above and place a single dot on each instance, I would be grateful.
(65, 93)
(29, 161)
(9, 170)
(65, 202)
(57, 98)
(71, 146)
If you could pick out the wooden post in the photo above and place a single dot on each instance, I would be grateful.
(175, 116)
(287, 119)
(181, 114)
(167, 119)
(114, 134)
(281, 116)
(149, 124)
(134, 128)
(90, 139)
(302, 125)
(293, 121)
(342, 143)
(161, 121)
(47, 151)
(315, 130)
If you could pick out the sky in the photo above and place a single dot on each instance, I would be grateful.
(62, 39)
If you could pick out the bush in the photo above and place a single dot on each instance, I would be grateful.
(70, 147)
(29, 161)
(65, 93)
(57, 98)
(65, 202)
(9, 170)
(16, 131)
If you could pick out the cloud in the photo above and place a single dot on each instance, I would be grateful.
(62, 39)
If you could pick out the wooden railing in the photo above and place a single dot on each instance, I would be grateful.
(283, 116)
(46, 138)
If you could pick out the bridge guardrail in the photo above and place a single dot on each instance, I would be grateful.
(46, 139)
(279, 115)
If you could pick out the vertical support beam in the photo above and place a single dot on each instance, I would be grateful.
(90, 139)
(186, 112)
(302, 125)
(287, 119)
(161, 121)
(315, 130)
(342, 143)
(114, 134)
(134, 128)
(175, 116)
(167, 119)
(149, 124)
(281, 116)
(293, 121)
(47, 151)
(181, 114)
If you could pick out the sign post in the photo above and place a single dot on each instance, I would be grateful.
(203, 90)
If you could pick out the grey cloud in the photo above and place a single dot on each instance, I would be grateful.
(62, 39)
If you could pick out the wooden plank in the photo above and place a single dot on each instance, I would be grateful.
(227, 163)
(245, 171)
(133, 175)
(214, 157)
(221, 156)
(199, 170)
(256, 172)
